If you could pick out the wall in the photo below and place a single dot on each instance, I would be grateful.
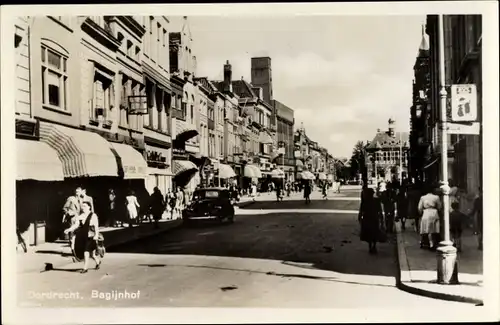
(61, 36)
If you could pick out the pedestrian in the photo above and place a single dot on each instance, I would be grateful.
(71, 211)
(457, 220)
(325, 190)
(132, 205)
(307, 191)
(84, 197)
(387, 198)
(429, 208)
(253, 191)
(402, 204)
(171, 204)
(454, 195)
(157, 205)
(179, 201)
(477, 212)
(86, 236)
(112, 211)
(413, 199)
(369, 217)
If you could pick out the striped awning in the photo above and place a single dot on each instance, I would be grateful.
(130, 161)
(226, 171)
(83, 154)
(37, 160)
(265, 138)
(182, 166)
(252, 171)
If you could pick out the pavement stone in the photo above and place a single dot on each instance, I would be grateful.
(418, 269)
(59, 253)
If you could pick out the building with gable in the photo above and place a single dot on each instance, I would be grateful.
(389, 150)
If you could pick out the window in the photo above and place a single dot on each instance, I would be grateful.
(159, 107)
(103, 95)
(151, 38)
(159, 35)
(54, 79)
(125, 91)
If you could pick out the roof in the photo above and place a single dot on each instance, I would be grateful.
(243, 89)
(383, 140)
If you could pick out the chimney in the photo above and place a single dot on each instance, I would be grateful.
(227, 77)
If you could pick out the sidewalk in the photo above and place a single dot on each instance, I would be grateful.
(418, 269)
(59, 253)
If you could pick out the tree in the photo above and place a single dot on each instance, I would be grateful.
(357, 161)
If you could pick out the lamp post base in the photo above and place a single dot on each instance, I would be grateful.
(447, 266)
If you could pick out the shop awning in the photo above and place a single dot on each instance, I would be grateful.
(226, 171)
(306, 175)
(37, 160)
(265, 138)
(83, 154)
(185, 133)
(252, 171)
(182, 166)
(322, 176)
(299, 163)
(130, 161)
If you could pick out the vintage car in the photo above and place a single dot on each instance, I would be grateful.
(210, 204)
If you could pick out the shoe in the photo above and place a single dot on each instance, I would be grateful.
(84, 271)
(98, 266)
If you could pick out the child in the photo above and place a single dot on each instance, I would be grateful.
(457, 220)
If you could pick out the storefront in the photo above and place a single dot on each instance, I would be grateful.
(37, 174)
(159, 171)
(87, 161)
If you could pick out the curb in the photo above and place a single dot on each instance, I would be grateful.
(172, 225)
(403, 281)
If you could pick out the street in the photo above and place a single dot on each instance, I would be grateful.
(285, 254)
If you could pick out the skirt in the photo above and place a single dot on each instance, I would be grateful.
(429, 225)
(83, 243)
(132, 211)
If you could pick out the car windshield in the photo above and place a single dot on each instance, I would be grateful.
(206, 194)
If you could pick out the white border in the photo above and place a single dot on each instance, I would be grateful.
(488, 9)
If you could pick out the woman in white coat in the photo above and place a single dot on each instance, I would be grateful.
(132, 206)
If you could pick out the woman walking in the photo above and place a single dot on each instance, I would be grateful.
(370, 217)
(86, 236)
(429, 207)
(132, 206)
(157, 205)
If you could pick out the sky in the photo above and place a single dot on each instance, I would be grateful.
(344, 76)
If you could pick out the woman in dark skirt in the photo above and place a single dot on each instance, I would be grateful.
(86, 236)
(369, 217)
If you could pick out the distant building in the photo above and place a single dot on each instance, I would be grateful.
(388, 148)
(284, 124)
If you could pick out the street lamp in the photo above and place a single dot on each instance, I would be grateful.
(446, 253)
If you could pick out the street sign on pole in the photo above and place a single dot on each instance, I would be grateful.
(463, 103)
(460, 128)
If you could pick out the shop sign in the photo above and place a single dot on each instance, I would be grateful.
(461, 128)
(463, 103)
(156, 158)
(134, 170)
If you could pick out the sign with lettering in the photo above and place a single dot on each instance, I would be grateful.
(460, 128)
(463, 103)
